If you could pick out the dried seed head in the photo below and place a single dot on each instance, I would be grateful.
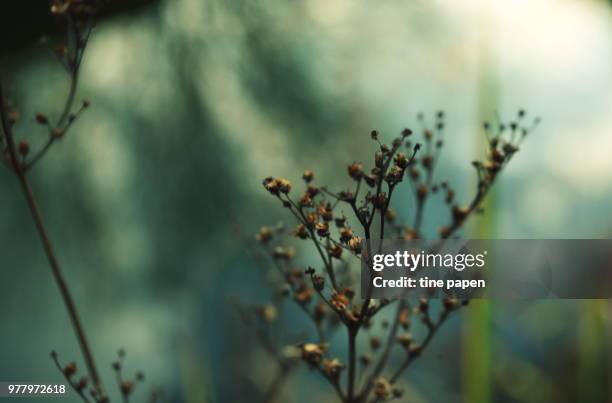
(365, 360)
(81, 384)
(375, 343)
(346, 234)
(340, 221)
(23, 148)
(401, 160)
(284, 185)
(312, 190)
(322, 229)
(318, 282)
(41, 118)
(127, 388)
(354, 244)
(335, 251)
(268, 313)
(313, 353)
(264, 235)
(304, 295)
(70, 369)
(355, 171)
(300, 231)
(395, 175)
(339, 301)
(382, 388)
(422, 191)
(308, 176)
(305, 200)
(405, 340)
(271, 185)
(332, 368)
(325, 212)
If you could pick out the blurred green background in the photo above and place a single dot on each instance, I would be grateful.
(194, 102)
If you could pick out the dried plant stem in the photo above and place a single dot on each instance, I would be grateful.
(58, 276)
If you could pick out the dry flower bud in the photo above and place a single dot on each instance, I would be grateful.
(346, 196)
(284, 253)
(268, 313)
(414, 174)
(374, 134)
(378, 159)
(355, 171)
(382, 388)
(375, 343)
(346, 234)
(339, 301)
(311, 219)
(404, 340)
(320, 311)
(332, 368)
(313, 353)
(365, 360)
(127, 388)
(370, 179)
(325, 212)
(401, 160)
(340, 221)
(404, 318)
(41, 118)
(422, 191)
(304, 295)
(305, 200)
(406, 132)
(81, 384)
(450, 303)
(23, 148)
(380, 200)
(459, 213)
(70, 369)
(318, 282)
(322, 229)
(395, 175)
(335, 250)
(308, 176)
(354, 244)
(264, 235)
(271, 185)
(300, 231)
(312, 190)
(284, 185)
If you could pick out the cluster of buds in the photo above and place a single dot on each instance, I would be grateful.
(277, 186)
(126, 386)
(317, 209)
(80, 384)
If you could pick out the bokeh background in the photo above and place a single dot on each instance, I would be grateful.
(194, 102)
